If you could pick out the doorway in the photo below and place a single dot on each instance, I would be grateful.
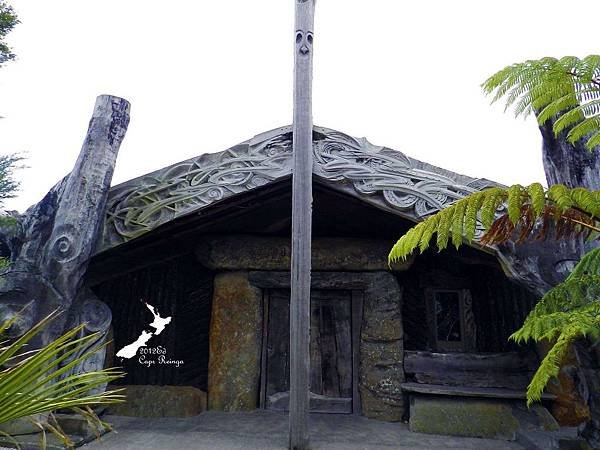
(332, 354)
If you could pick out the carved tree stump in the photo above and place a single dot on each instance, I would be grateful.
(54, 240)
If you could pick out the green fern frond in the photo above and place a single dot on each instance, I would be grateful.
(407, 243)
(584, 322)
(537, 198)
(493, 199)
(554, 311)
(457, 222)
(566, 89)
(556, 106)
(443, 228)
(515, 202)
(568, 119)
(561, 195)
(573, 211)
(474, 204)
(429, 228)
(567, 312)
(594, 141)
(549, 368)
(587, 126)
(523, 106)
(588, 265)
(586, 201)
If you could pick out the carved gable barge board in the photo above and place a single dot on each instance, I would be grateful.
(378, 175)
(385, 178)
(181, 235)
(172, 239)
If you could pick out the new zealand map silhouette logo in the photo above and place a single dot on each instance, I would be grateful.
(159, 323)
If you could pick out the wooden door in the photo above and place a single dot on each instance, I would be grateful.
(331, 358)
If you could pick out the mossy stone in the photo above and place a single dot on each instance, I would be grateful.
(463, 417)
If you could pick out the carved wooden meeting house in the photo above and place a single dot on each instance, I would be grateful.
(272, 308)
(207, 241)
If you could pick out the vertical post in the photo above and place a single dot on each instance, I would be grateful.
(301, 226)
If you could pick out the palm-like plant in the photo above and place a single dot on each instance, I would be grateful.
(568, 91)
(36, 381)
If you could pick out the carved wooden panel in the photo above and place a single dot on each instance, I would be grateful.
(386, 178)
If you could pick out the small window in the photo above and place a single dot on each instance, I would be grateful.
(447, 316)
(450, 318)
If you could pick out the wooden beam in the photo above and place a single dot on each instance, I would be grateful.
(301, 226)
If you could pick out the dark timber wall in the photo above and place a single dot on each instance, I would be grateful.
(180, 288)
(499, 305)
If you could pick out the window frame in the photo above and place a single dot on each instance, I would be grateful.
(467, 336)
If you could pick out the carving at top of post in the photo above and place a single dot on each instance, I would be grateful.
(304, 41)
(304, 27)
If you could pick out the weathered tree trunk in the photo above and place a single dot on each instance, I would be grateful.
(543, 265)
(55, 238)
(575, 166)
(571, 165)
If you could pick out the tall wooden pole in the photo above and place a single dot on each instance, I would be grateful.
(301, 226)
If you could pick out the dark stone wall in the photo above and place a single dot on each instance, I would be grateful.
(499, 305)
(180, 288)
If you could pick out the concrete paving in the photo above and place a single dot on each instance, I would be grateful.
(269, 431)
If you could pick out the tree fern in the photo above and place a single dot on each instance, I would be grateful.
(567, 89)
(571, 211)
(569, 311)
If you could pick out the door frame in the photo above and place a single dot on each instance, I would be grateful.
(353, 282)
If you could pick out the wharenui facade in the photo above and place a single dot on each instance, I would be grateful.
(187, 272)
(207, 243)
(257, 278)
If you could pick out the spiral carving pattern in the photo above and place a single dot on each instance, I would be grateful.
(141, 205)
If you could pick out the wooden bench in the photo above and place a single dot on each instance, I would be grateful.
(468, 391)
(472, 394)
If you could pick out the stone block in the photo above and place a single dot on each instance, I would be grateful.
(477, 417)
(23, 426)
(462, 417)
(160, 401)
(381, 407)
(239, 252)
(235, 344)
(382, 310)
(382, 350)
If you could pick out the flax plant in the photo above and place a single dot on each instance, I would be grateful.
(40, 381)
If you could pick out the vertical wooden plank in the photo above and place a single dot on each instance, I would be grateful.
(301, 227)
(357, 316)
(342, 322)
(329, 351)
(316, 372)
(263, 356)
(278, 342)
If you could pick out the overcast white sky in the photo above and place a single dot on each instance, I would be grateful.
(203, 76)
